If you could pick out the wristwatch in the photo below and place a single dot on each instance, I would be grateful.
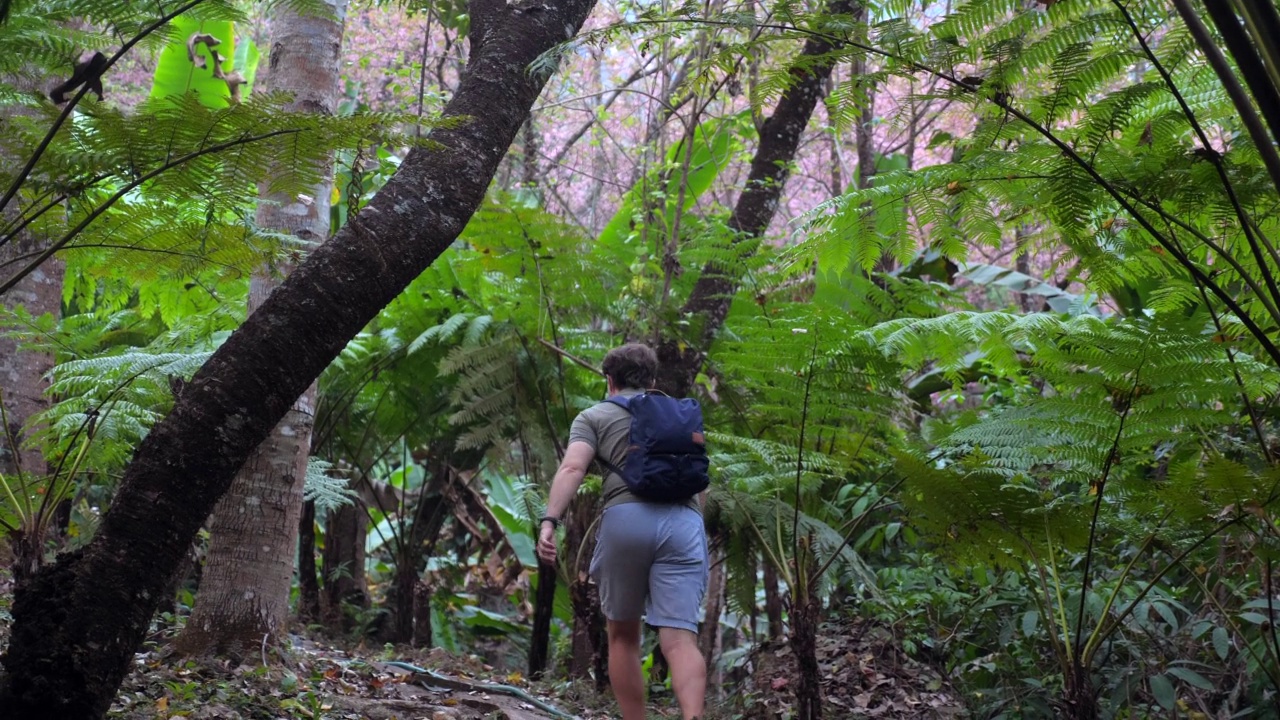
(555, 522)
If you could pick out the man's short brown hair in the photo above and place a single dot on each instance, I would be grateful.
(632, 366)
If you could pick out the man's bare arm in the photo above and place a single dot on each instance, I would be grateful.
(577, 458)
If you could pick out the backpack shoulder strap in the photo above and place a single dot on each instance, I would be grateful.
(622, 401)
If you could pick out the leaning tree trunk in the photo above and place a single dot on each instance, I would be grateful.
(77, 622)
(712, 294)
(243, 602)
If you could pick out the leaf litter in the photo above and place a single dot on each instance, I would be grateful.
(865, 674)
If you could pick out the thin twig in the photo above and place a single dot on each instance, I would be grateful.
(572, 357)
(1107, 464)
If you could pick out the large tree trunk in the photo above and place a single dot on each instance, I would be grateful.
(78, 622)
(244, 599)
(712, 294)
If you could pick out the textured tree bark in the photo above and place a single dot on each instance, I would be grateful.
(543, 611)
(712, 294)
(423, 636)
(243, 602)
(772, 601)
(1079, 698)
(308, 583)
(804, 644)
(22, 374)
(343, 568)
(78, 621)
(713, 607)
(424, 530)
(579, 541)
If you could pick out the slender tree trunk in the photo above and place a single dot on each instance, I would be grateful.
(1080, 700)
(343, 557)
(599, 638)
(581, 644)
(401, 598)
(23, 373)
(422, 632)
(804, 645)
(713, 607)
(244, 600)
(543, 612)
(708, 303)
(308, 584)
(772, 601)
(587, 646)
(102, 597)
(420, 538)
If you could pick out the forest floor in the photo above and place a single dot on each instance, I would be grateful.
(865, 675)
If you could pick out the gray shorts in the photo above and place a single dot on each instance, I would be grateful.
(651, 559)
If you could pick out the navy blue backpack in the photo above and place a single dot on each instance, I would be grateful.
(667, 453)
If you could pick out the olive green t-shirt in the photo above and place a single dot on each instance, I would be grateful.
(607, 429)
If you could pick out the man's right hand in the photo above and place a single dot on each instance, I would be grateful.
(547, 544)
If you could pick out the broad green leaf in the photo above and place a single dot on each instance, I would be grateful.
(1163, 691)
(1191, 677)
(1166, 613)
(1030, 620)
(1221, 642)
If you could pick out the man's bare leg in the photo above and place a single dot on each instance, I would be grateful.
(688, 669)
(624, 667)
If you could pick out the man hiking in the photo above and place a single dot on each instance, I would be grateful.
(651, 551)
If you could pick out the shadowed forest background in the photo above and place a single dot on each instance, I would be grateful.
(298, 300)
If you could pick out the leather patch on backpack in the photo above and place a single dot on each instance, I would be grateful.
(699, 439)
